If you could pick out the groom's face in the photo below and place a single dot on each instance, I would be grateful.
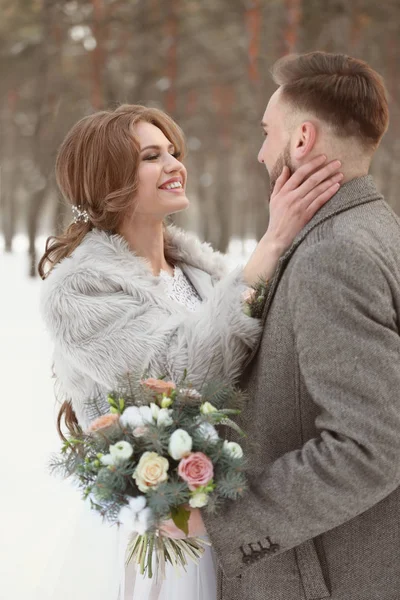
(275, 151)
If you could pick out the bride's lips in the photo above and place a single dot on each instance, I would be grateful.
(177, 190)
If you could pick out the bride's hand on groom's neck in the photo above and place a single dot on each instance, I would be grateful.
(295, 200)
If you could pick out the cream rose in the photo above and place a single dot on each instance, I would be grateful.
(151, 471)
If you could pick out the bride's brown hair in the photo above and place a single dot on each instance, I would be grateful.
(97, 170)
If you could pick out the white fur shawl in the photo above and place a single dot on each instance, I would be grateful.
(107, 314)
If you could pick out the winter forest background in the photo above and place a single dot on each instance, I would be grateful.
(207, 63)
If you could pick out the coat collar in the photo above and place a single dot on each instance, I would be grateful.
(109, 254)
(354, 193)
(180, 247)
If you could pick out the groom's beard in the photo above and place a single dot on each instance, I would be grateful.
(282, 160)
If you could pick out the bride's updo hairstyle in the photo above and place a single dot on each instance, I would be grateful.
(97, 171)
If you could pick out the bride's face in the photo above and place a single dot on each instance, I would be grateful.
(162, 177)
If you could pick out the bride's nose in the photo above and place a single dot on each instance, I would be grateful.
(172, 164)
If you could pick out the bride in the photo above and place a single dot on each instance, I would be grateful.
(124, 291)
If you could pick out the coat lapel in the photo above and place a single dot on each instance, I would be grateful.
(354, 193)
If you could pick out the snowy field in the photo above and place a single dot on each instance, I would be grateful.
(46, 536)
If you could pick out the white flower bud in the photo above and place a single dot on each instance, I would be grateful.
(155, 409)
(107, 460)
(198, 500)
(164, 417)
(180, 444)
(206, 408)
(166, 402)
(233, 449)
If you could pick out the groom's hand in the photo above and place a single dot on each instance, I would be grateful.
(196, 526)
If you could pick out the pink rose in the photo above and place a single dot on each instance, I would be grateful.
(196, 469)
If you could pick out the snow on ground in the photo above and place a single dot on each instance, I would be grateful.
(38, 513)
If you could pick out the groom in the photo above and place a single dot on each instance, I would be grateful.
(321, 517)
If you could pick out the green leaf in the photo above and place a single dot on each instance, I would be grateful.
(121, 404)
(180, 517)
(111, 401)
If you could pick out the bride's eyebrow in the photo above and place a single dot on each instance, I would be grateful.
(264, 125)
(155, 147)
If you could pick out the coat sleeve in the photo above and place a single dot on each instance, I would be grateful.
(348, 346)
(105, 332)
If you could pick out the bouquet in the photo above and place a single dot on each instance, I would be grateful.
(154, 456)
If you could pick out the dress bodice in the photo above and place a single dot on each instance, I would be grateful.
(180, 289)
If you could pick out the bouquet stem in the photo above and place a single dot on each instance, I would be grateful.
(177, 552)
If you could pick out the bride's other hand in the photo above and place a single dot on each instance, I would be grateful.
(196, 526)
(295, 200)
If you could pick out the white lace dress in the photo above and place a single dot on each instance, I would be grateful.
(199, 582)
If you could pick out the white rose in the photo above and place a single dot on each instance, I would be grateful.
(154, 411)
(233, 449)
(107, 460)
(151, 471)
(206, 408)
(121, 451)
(198, 500)
(180, 444)
(164, 417)
(208, 432)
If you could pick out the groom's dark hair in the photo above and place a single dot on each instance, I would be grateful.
(340, 90)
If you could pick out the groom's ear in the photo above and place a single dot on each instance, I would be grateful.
(305, 139)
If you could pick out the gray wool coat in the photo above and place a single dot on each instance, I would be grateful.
(321, 518)
(107, 315)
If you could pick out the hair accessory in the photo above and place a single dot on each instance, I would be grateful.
(79, 214)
